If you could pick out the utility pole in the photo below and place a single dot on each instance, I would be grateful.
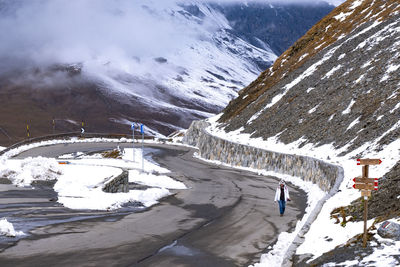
(54, 126)
(142, 131)
(133, 140)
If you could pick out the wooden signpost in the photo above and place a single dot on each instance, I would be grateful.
(366, 184)
(369, 161)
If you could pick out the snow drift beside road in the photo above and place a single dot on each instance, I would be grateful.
(79, 184)
(24, 172)
(7, 229)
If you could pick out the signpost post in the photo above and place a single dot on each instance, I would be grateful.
(366, 184)
(27, 131)
(142, 132)
(133, 140)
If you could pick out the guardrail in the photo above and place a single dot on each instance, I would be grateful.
(70, 135)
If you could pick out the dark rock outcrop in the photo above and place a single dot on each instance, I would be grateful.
(389, 230)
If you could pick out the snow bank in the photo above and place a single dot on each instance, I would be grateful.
(7, 229)
(80, 182)
(80, 186)
(24, 172)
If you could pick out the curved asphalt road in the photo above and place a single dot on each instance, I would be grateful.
(226, 218)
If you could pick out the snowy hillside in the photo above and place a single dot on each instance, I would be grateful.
(113, 62)
(334, 95)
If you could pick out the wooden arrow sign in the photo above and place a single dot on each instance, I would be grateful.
(369, 161)
(365, 180)
(364, 186)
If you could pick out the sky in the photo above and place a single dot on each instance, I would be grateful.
(335, 2)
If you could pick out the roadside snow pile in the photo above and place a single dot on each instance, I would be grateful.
(79, 183)
(24, 172)
(2, 148)
(7, 229)
(80, 186)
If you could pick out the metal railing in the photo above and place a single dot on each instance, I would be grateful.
(70, 135)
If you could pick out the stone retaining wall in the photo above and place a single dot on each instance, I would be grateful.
(214, 148)
(118, 184)
(192, 134)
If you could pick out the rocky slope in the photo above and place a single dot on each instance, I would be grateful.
(188, 62)
(338, 85)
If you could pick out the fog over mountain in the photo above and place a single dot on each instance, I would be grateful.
(96, 32)
(162, 63)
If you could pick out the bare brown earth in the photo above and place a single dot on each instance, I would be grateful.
(79, 100)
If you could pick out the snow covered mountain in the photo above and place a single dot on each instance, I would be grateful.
(108, 63)
(334, 95)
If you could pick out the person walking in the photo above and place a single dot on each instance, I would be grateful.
(282, 195)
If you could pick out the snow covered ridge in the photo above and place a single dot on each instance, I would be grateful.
(79, 183)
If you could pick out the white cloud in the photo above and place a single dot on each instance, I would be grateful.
(70, 31)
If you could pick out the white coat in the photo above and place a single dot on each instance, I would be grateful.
(278, 193)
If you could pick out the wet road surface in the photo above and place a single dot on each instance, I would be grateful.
(226, 218)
